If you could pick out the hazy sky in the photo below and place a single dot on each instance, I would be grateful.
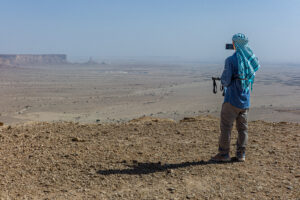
(193, 29)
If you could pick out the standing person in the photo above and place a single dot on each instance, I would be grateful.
(237, 78)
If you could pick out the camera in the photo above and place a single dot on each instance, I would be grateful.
(229, 46)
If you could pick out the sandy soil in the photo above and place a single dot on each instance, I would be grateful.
(147, 158)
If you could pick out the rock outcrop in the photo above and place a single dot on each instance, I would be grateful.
(32, 59)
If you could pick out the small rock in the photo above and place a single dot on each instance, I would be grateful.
(172, 190)
(134, 161)
(190, 196)
(289, 187)
(76, 139)
(259, 187)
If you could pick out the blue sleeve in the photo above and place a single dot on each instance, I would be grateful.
(227, 74)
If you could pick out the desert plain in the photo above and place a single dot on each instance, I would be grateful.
(143, 130)
(122, 91)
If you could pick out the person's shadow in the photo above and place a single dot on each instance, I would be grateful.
(138, 168)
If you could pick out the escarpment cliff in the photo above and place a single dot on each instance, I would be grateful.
(32, 59)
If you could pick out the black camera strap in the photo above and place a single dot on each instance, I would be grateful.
(215, 87)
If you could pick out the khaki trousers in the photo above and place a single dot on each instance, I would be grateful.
(229, 114)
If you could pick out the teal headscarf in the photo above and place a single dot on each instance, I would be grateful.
(247, 61)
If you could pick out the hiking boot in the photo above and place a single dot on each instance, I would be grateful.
(241, 156)
(221, 157)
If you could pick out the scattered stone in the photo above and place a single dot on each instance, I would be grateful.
(188, 119)
(48, 162)
(190, 196)
(76, 139)
(259, 187)
(134, 161)
(289, 187)
(172, 190)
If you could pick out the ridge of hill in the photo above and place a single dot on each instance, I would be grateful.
(32, 59)
(146, 158)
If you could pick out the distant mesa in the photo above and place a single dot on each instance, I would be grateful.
(32, 59)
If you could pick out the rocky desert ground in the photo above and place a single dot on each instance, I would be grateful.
(146, 158)
(142, 131)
